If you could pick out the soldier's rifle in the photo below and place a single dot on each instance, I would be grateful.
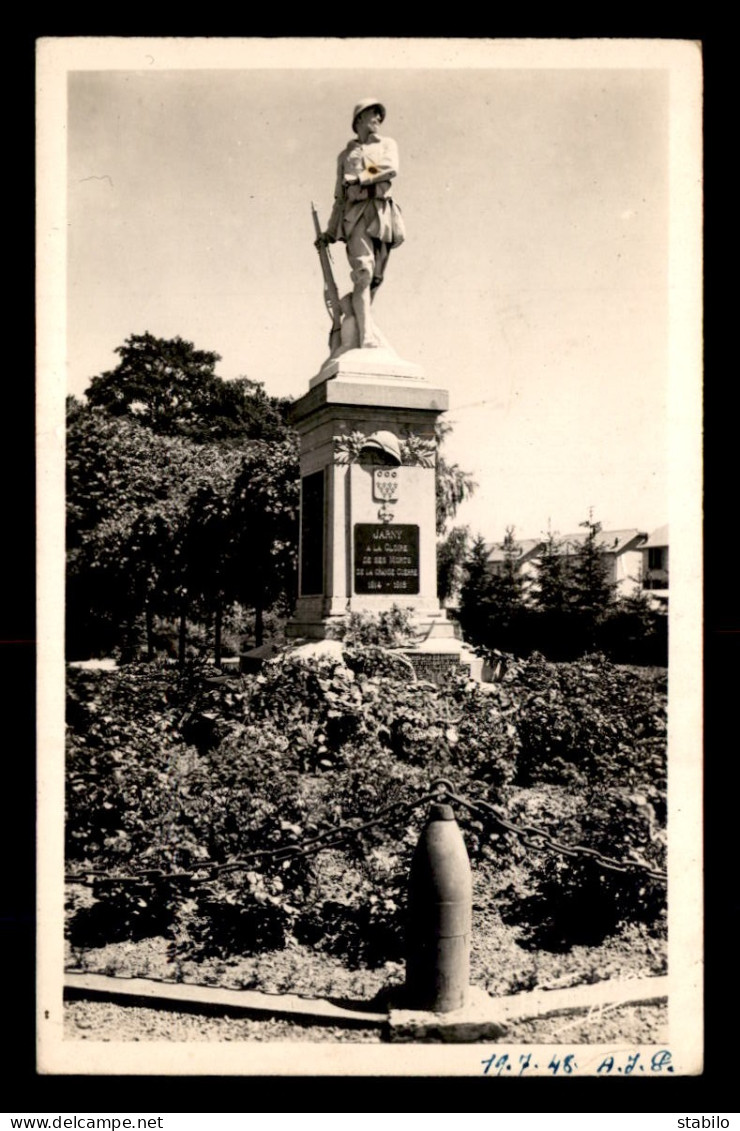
(331, 294)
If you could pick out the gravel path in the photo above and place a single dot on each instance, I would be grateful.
(498, 965)
(106, 1021)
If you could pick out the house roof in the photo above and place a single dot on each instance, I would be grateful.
(659, 537)
(609, 541)
(525, 548)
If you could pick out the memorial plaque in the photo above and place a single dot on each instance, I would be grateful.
(312, 533)
(386, 558)
(435, 667)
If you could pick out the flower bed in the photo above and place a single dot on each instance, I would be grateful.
(168, 770)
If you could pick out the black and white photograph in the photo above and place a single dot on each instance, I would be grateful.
(369, 452)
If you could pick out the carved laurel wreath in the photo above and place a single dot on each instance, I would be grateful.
(416, 451)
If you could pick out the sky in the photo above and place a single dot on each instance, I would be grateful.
(538, 189)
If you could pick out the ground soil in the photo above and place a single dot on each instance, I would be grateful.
(106, 1021)
(498, 965)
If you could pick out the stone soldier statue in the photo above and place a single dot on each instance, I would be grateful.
(366, 218)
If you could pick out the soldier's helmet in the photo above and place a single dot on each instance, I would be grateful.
(384, 442)
(365, 105)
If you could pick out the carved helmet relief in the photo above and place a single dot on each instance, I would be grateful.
(385, 448)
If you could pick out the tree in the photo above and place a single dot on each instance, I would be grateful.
(592, 593)
(265, 504)
(160, 525)
(172, 388)
(130, 494)
(475, 593)
(506, 612)
(453, 485)
(200, 578)
(572, 595)
(633, 632)
(507, 585)
(156, 522)
(451, 554)
(125, 490)
(493, 611)
(551, 590)
(551, 621)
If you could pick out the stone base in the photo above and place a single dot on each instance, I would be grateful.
(314, 616)
(487, 1018)
(479, 1020)
(438, 650)
(320, 629)
(367, 363)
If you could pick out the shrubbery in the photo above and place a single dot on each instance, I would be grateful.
(170, 768)
(589, 722)
(556, 900)
(567, 609)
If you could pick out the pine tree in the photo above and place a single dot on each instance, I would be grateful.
(475, 594)
(552, 587)
(591, 592)
(492, 609)
(506, 585)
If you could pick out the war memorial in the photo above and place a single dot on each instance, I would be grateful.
(366, 426)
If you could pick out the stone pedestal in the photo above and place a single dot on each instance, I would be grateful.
(367, 536)
(375, 363)
(478, 1020)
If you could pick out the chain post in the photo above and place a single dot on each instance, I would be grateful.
(440, 916)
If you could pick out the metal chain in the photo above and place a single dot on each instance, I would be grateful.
(531, 836)
(534, 837)
(331, 838)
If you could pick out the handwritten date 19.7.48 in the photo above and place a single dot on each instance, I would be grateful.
(622, 1063)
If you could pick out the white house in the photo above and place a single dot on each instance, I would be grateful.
(621, 551)
(655, 567)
